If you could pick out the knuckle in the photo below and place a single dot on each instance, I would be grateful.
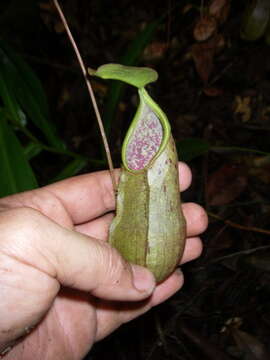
(46, 202)
(41, 200)
(20, 216)
(108, 196)
(17, 226)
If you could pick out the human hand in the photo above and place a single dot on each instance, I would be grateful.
(61, 284)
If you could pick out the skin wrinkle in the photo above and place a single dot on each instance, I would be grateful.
(104, 307)
(52, 202)
(108, 262)
(52, 274)
(6, 206)
(75, 275)
(20, 333)
(17, 258)
(36, 202)
(15, 287)
(108, 194)
(12, 249)
(73, 317)
(58, 207)
(106, 200)
(21, 286)
(22, 351)
(89, 318)
(114, 269)
(18, 341)
(68, 345)
(58, 257)
(38, 338)
(41, 252)
(99, 227)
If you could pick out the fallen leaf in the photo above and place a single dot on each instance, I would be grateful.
(257, 261)
(260, 168)
(59, 27)
(225, 185)
(265, 113)
(250, 346)
(255, 20)
(220, 9)
(206, 347)
(234, 322)
(48, 6)
(212, 91)
(64, 98)
(203, 54)
(203, 59)
(242, 106)
(205, 27)
(155, 51)
(187, 8)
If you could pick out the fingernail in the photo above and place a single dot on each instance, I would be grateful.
(143, 279)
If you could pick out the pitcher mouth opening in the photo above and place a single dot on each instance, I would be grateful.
(145, 140)
(147, 135)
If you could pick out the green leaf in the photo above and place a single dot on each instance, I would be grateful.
(255, 20)
(26, 90)
(232, 149)
(32, 150)
(10, 102)
(71, 169)
(16, 173)
(136, 76)
(267, 34)
(189, 149)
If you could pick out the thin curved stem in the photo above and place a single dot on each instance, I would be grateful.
(91, 93)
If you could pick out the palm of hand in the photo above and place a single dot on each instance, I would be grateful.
(76, 319)
(74, 322)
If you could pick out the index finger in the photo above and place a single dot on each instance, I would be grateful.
(89, 196)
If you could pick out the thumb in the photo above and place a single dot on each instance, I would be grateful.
(74, 259)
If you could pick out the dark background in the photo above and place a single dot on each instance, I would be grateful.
(216, 95)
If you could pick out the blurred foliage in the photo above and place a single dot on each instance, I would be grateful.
(256, 21)
(25, 111)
